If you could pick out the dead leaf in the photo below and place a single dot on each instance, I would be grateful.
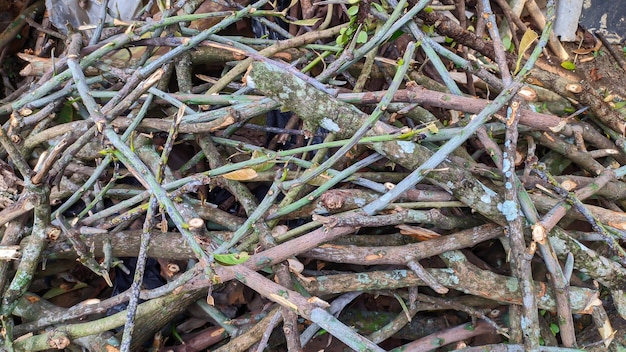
(527, 40)
(582, 51)
(594, 75)
(241, 175)
(237, 296)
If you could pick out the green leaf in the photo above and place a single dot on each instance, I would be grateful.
(177, 335)
(263, 166)
(554, 328)
(379, 8)
(308, 22)
(568, 65)
(506, 43)
(232, 258)
(353, 10)
(527, 40)
(66, 114)
(429, 30)
(396, 35)
(285, 174)
(432, 128)
(362, 38)
(321, 332)
(342, 40)
(619, 105)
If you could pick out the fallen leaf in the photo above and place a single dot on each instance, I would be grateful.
(594, 75)
(528, 38)
(568, 65)
(232, 258)
(582, 51)
(241, 175)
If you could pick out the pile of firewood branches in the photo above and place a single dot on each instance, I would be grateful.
(372, 175)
